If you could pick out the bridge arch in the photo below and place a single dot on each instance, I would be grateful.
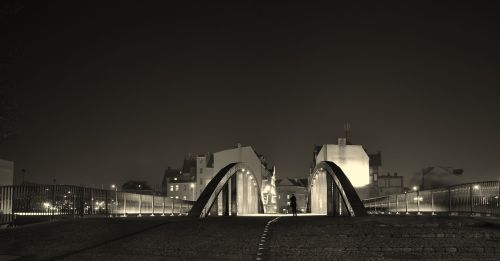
(331, 192)
(236, 186)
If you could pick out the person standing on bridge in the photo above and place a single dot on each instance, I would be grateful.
(293, 204)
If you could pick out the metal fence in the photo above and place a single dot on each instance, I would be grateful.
(473, 198)
(59, 200)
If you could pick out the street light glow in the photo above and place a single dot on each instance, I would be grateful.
(415, 188)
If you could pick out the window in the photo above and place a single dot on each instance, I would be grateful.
(184, 197)
(201, 181)
(201, 170)
(176, 187)
(171, 187)
(176, 197)
(175, 178)
(288, 196)
(184, 187)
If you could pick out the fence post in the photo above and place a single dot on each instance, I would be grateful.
(153, 206)
(53, 199)
(406, 202)
(140, 206)
(397, 204)
(418, 202)
(389, 204)
(449, 200)
(106, 204)
(470, 198)
(432, 203)
(173, 205)
(163, 207)
(124, 204)
(498, 195)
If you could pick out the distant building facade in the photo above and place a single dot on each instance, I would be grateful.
(181, 183)
(256, 163)
(389, 184)
(6, 173)
(288, 186)
(269, 194)
(353, 161)
(197, 172)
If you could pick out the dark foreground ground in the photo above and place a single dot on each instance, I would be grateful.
(243, 238)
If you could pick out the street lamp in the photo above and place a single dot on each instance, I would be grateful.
(192, 187)
(113, 186)
(415, 188)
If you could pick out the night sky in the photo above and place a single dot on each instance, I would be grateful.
(112, 92)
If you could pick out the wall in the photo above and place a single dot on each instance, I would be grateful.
(353, 161)
(6, 173)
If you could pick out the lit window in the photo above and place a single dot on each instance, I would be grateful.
(175, 178)
(176, 187)
(171, 187)
(176, 197)
(184, 197)
(288, 196)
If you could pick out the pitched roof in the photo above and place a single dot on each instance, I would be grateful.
(291, 182)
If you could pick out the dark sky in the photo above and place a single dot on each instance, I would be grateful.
(111, 92)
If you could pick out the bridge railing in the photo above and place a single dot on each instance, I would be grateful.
(473, 198)
(21, 201)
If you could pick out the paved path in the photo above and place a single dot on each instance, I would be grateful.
(383, 238)
(288, 238)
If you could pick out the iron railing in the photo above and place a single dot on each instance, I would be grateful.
(64, 200)
(473, 198)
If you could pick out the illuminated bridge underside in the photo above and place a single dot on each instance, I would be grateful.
(332, 193)
(233, 191)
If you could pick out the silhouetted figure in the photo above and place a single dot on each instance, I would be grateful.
(293, 204)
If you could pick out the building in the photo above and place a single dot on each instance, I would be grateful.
(181, 183)
(288, 186)
(182, 189)
(256, 164)
(375, 164)
(269, 194)
(6, 173)
(389, 184)
(197, 171)
(353, 161)
(204, 172)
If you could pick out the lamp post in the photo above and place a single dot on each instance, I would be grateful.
(415, 188)
(192, 187)
(113, 186)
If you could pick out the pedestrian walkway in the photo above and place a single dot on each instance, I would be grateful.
(243, 238)
(381, 238)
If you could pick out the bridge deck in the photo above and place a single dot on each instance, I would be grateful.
(302, 238)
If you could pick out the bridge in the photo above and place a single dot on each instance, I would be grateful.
(236, 191)
(377, 232)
